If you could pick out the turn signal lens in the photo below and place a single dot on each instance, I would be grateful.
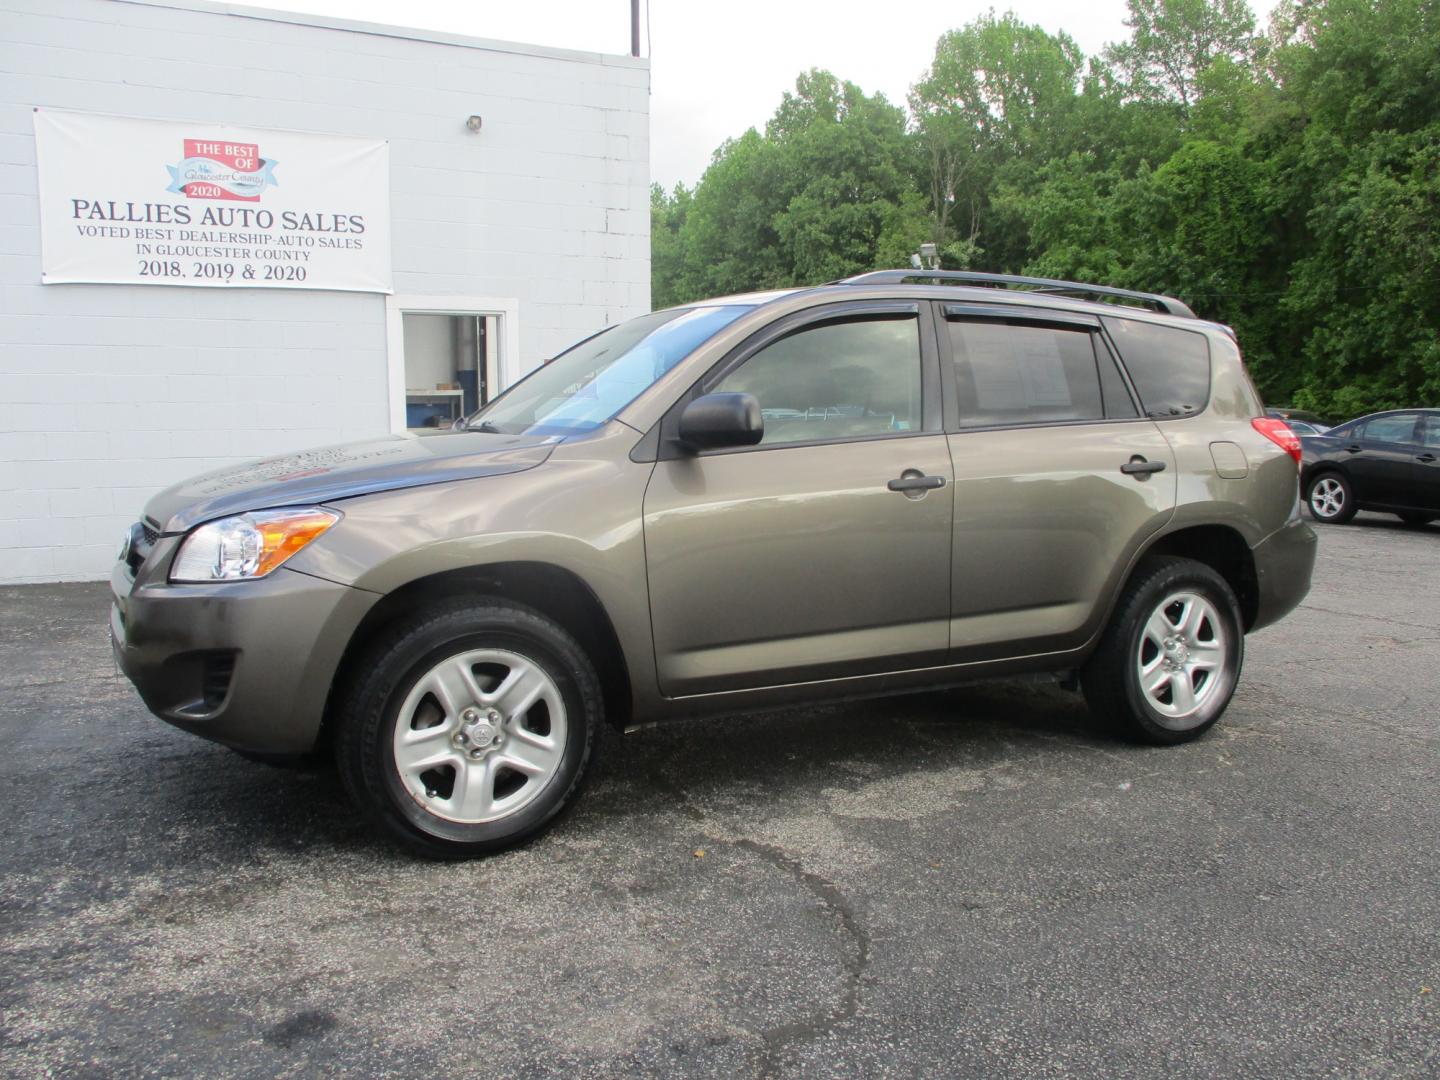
(1278, 432)
(248, 545)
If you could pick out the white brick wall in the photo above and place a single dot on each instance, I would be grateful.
(109, 393)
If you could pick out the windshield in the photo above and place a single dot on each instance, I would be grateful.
(589, 383)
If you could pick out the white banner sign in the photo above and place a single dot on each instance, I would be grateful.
(150, 202)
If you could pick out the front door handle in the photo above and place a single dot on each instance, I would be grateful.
(1351, 449)
(1426, 458)
(1138, 466)
(915, 480)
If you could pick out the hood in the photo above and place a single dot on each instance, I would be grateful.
(343, 471)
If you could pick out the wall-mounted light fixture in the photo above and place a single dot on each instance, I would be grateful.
(472, 123)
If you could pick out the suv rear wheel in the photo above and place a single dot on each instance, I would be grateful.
(1169, 661)
(469, 727)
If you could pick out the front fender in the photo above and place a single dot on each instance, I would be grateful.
(580, 512)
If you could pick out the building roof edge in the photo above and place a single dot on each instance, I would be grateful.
(356, 26)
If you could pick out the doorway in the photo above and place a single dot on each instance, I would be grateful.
(447, 357)
(450, 367)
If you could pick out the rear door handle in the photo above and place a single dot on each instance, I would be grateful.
(1138, 466)
(1427, 458)
(915, 480)
(1351, 449)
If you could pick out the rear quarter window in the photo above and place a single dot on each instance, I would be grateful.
(1169, 367)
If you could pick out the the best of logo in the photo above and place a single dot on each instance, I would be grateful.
(216, 169)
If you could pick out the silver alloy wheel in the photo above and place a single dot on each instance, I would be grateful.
(480, 735)
(1327, 497)
(1182, 658)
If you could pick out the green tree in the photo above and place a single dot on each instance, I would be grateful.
(1357, 133)
(997, 90)
(842, 157)
(810, 200)
(667, 253)
(1173, 42)
(728, 239)
(1287, 185)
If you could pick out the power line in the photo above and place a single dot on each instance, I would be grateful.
(1287, 292)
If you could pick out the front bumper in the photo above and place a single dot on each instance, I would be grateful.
(1284, 562)
(246, 663)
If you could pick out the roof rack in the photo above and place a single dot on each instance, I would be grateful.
(1166, 304)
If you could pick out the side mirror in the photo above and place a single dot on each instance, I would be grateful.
(716, 421)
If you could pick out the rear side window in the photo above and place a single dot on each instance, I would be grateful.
(1430, 431)
(1399, 429)
(1119, 405)
(1010, 374)
(1169, 367)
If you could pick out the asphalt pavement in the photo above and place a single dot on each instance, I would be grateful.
(971, 883)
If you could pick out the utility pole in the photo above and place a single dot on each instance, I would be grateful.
(634, 27)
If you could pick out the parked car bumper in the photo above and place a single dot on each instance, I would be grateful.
(246, 663)
(1284, 562)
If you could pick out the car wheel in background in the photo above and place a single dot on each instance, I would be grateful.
(1168, 663)
(469, 727)
(1330, 499)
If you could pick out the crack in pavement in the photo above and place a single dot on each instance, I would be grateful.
(831, 897)
(835, 901)
(1371, 618)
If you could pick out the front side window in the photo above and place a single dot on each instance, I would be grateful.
(1009, 374)
(857, 378)
(586, 385)
(1398, 429)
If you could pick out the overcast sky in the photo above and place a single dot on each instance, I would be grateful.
(718, 68)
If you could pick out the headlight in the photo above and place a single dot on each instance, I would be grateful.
(248, 545)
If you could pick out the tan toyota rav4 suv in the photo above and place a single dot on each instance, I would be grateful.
(894, 482)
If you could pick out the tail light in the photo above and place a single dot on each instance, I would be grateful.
(1278, 432)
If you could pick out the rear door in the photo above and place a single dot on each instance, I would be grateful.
(825, 550)
(1380, 457)
(1427, 464)
(1058, 478)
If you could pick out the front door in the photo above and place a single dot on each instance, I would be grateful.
(1058, 480)
(795, 560)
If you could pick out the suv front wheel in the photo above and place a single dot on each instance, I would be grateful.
(469, 727)
(1169, 661)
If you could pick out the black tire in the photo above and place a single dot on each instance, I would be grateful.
(1342, 491)
(1412, 517)
(391, 667)
(1111, 678)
